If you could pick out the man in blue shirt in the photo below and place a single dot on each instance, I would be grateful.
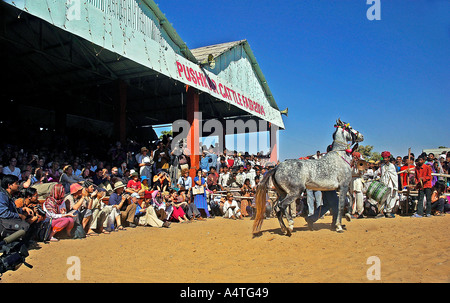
(8, 210)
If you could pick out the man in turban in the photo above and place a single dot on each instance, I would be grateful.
(388, 176)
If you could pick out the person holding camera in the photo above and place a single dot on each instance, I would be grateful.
(8, 210)
(119, 201)
(39, 225)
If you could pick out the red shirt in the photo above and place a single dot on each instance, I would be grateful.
(405, 175)
(133, 184)
(424, 172)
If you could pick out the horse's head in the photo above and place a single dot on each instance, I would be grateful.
(345, 132)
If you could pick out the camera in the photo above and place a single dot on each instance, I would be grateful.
(14, 253)
(40, 211)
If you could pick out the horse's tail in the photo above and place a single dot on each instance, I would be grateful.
(260, 200)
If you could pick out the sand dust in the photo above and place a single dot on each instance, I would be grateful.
(223, 250)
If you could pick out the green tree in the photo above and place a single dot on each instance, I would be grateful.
(167, 133)
(367, 153)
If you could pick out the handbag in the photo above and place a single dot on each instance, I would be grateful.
(198, 190)
(10, 226)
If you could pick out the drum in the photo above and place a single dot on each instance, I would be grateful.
(378, 192)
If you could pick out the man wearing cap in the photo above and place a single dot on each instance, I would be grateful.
(116, 200)
(388, 176)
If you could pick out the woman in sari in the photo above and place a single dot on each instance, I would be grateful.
(60, 219)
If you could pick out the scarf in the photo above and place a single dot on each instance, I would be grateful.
(55, 199)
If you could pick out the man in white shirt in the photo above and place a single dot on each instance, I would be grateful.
(11, 169)
(388, 176)
(231, 208)
(240, 176)
(223, 178)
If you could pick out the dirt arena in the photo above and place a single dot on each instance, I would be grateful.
(222, 250)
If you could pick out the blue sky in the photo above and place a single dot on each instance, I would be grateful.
(323, 59)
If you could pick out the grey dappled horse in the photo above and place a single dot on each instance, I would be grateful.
(291, 177)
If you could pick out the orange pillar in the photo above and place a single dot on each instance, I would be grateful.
(273, 143)
(193, 137)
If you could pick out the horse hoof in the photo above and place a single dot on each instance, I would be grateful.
(288, 232)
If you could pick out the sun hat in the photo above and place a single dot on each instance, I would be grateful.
(75, 187)
(118, 184)
(135, 195)
(144, 149)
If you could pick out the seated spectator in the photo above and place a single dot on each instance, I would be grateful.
(216, 204)
(68, 178)
(231, 208)
(246, 190)
(144, 184)
(30, 200)
(11, 169)
(100, 177)
(177, 213)
(439, 202)
(185, 181)
(189, 207)
(60, 219)
(127, 211)
(134, 185)
(223, 178)
(100, 213)
(86, 174)
(159, 204)
(161, 181)
(39, 225)
(79, 202)
(8, 210)
(212, 179)
(117, 200)
(145, 213)
(53, 172)
(115, 174)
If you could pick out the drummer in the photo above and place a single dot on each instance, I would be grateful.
(388, 176)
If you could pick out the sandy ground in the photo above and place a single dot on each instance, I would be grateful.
(223, 250)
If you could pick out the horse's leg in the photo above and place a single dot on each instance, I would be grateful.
(342, 194)
(283, 206)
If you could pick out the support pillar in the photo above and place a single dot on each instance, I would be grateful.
(193, 137)
(273, 143)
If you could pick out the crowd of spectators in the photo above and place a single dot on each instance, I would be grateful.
(64, 195)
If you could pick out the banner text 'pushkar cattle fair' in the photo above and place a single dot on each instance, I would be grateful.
(200, 78)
